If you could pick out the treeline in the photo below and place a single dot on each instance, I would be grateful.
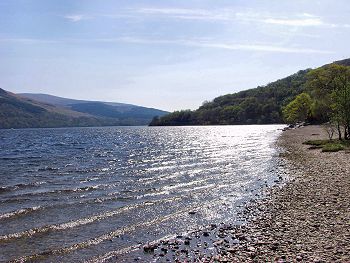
(263, 105)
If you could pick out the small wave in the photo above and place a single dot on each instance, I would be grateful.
(10, 188)
(19, 212)
(76, 223)
(4, 189)
(12, 158)
(59, 144)
(183, 185)
(56, 191)
(63, 226)
(104, 237)
(125, 250)
(153, 194)
(81, 189)
(203, 187)
(114, 253)
(111, 197)
(47, 168)
(9, 158)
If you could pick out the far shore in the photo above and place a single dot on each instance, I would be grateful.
(306, 218)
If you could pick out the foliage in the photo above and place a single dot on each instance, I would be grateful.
(299, 109)
(330, 88)
(184, 117)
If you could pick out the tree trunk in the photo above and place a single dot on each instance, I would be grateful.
(339, 131)
(345, 133)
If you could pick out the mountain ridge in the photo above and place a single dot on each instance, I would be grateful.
(96, 108)
(58, 100)
(18, 111)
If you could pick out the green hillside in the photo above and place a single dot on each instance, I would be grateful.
(261, 105)
(17, 112)
(101, 109)
(21, 112)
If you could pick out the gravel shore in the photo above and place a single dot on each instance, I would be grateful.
(303, 219)
(308, 219)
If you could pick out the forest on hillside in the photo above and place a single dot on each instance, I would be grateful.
(261, 105)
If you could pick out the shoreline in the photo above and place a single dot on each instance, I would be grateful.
(308, 218)
(303, 218)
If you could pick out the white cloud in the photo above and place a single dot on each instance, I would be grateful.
(216, 15)
(264, 48)
(200, 43)
(76, 17)
(173, 11)
(28, 40)
(219, 45)
(189, 14)
(294, 22)
(299, 20)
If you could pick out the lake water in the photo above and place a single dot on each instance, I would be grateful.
(76, 194)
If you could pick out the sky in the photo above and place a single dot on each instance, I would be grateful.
(164, 54)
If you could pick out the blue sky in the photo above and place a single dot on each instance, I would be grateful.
(166, 54)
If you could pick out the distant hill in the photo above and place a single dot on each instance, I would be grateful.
(60, 101)
(261, 105)
(128, 114)
(25, 111)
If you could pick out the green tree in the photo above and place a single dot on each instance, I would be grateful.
(330, 87)
(155, 121)
(299, 109)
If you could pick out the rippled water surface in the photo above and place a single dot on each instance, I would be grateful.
(77, 194)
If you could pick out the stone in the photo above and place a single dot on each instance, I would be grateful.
(149, 248)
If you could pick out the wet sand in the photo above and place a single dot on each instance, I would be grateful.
(304, 218)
